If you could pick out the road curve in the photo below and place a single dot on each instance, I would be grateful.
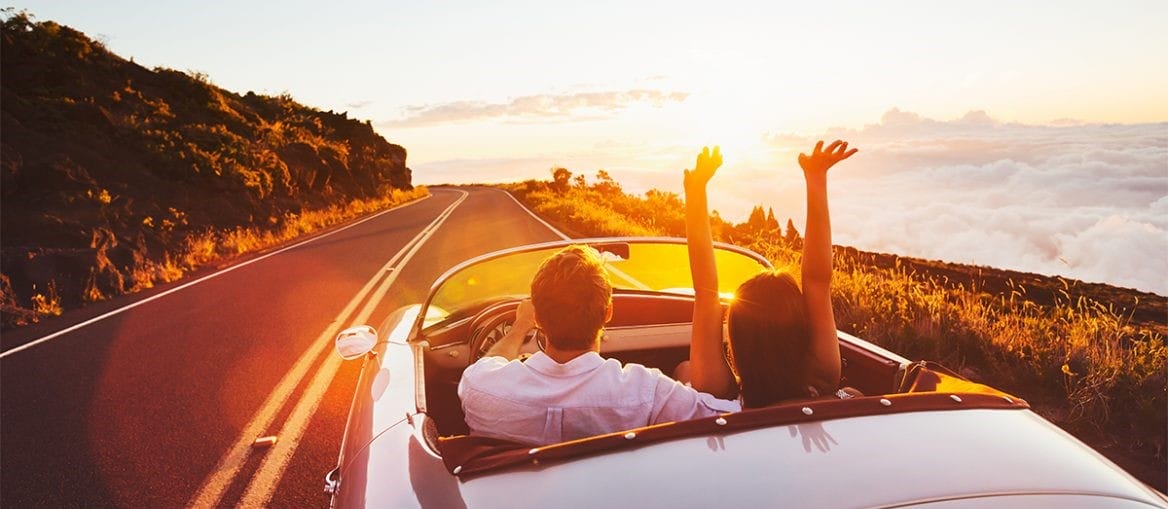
(141, 408)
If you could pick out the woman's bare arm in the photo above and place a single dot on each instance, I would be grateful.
(709, 371)
(817, 265)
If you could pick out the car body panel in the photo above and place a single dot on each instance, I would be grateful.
(386, 389)
(869, 461)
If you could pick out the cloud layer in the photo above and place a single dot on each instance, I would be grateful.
(1088, 201)
(543, 107)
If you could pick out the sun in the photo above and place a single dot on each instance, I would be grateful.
(707, 119)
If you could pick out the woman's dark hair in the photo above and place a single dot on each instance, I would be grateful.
(769, 339)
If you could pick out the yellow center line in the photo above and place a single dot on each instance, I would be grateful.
(229, 466)
(259, 492)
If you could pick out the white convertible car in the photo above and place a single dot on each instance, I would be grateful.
(922, 437)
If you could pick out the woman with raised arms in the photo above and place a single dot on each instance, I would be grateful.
(783, 343)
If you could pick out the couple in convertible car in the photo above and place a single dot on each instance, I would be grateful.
(783, 343)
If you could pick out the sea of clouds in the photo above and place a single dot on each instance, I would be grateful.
(1088, 201)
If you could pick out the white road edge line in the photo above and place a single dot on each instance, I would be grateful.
(192, 283)
(537, 218)
(220, 479)
(261, 488)
(609, 266)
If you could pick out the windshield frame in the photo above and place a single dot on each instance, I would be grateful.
(420, 322)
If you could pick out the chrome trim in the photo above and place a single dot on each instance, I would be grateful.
(332, 482)
(418, 422)
(642, 337)
(341, 459)
(863, 344)
(872, 348)
(646, 326)
(418, 349)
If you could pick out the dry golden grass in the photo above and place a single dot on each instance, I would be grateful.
(200, 249)
(195, 250)
(1080, 356)
(211, 246)
(48, 303)
(591, 212)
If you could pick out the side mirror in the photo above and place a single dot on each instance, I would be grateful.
(355, 341)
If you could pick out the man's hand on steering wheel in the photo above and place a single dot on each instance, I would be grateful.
(524, 316)
(508, 347)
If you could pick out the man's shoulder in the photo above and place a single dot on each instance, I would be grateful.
(639, 370)
(485, 364)
(480, 372)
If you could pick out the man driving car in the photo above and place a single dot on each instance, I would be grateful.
(567, 390)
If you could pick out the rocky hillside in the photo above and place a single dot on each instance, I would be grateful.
(108, 167)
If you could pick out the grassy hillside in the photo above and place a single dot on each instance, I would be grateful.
(115, 177)
(1090, 357)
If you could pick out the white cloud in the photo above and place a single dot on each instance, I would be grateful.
(541, 106)
(1088, 201)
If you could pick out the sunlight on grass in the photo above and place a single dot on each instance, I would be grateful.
(200, 249)
(48, 303)
(192, 251)
(244, 240)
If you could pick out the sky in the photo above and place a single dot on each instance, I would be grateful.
(1023, 135)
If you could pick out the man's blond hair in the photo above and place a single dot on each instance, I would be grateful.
(571, 295)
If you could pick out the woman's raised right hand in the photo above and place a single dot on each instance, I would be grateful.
(707, 163)
(822, 160)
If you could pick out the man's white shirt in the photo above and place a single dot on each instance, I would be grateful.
(543, 402)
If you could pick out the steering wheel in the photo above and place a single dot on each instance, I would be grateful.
(492, 324)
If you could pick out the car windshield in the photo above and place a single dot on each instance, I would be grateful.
(653, 265)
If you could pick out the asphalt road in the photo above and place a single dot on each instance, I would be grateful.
(141, 407)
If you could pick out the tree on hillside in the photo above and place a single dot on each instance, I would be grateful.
(669, 199)
(665, 212)
(579, 182)
(792, 239)
(757, 220)
(605, 184)
(772, 224)
(560, 178)
(719, 227)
